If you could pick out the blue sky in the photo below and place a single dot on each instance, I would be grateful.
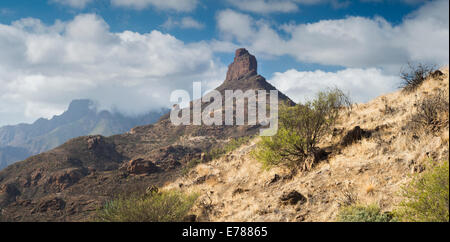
(128, 55)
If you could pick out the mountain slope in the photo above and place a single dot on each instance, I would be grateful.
(79, 119)
(236, 188)
(71, 181)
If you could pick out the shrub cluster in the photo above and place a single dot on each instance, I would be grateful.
(431, 112)
(166, 206)
(414, 75)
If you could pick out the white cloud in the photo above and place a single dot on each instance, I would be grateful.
(73, 3)
(265, 6)
(184, 23)
(361, 84)
(177, 5)
(355, 42)
(45, 67)
(281, 6)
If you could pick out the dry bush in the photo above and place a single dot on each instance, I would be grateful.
(431, 112)
(348, 197)
(414, 75)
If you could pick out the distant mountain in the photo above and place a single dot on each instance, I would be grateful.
(18, 142)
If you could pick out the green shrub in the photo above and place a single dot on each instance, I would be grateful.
(414, 76)
(300, 129)
(166, 206)
(426, 196)
(361, 213)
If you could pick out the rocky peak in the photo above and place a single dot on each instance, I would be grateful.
(244, 64)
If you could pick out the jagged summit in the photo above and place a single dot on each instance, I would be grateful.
(244, 64)
(243, 75)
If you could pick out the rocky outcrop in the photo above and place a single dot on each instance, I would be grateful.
(140, 166)
(8, 193)
(51, 204)
(244, 64)
(63, 179)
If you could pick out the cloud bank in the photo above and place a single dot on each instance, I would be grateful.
(45, 67)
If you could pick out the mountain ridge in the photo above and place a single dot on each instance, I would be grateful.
(81, 118)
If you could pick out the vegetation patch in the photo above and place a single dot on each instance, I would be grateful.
(427, 195)
(431, 112)
(414, 75)
(361, 213)
(165, 206)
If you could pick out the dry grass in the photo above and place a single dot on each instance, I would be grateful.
(373, 168)
(370, 189)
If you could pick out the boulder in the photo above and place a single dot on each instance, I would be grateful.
(292, 197)
(140, 166)
(354, 135)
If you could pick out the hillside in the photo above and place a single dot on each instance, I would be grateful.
(70, 182)
(18, 142)
(236, 188)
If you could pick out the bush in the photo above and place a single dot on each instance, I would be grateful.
(426, 196)
(361, 213)
(431, 112)
(414, 76)
(300, 129)
(167, 206)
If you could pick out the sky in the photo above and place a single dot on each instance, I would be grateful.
(128, 55)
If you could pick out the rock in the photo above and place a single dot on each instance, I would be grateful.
(94, 141)
(292, 197)
(275, 178)
(60, 180)
(8, 193)
(239, 191)
(320, 155)
(140, 166)
(354, 135)
(190, 218)
(244, 64)
(200, 180)
(53, 204)
(437, 74)
(36, 176)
